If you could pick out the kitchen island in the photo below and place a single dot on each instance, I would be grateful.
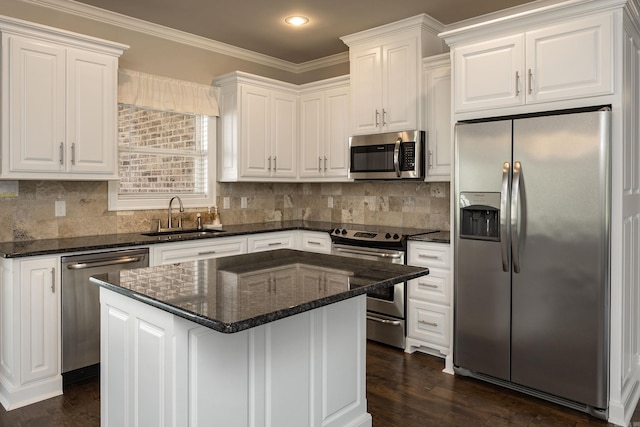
(274, 338)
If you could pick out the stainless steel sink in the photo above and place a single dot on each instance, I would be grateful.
(181, 233)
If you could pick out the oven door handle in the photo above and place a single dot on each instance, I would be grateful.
(376, 254)
(385, 321)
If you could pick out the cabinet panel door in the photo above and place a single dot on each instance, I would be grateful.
(311, 134)
(570, 60)
(39, 319)
(400, 85)
(284, 134)
(489, 74)
(438, 95)
(36, 90)
(366, 90)
(255, 131)
(91, 113)
(336, 154)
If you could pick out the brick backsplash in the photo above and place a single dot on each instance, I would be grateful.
(399, 203)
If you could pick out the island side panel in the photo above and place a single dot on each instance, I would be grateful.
(137, 363)
(307, 369)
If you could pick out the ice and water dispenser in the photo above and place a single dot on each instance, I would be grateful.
(480, 216)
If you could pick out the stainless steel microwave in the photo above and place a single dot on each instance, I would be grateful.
(393, 155)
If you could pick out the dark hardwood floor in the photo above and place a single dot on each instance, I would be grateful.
(402, 391)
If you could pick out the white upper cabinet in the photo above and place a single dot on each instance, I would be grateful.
(59, 104)
(324, 130)
(567, 60)
(259, 129)
(385, 67)
(437, 86)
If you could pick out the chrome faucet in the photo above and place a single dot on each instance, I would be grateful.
(169, 211)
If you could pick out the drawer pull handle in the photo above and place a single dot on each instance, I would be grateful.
(206, 253)
(274, 244)
(428, 256)
(314, 243)
(428, 323)
(428, 285)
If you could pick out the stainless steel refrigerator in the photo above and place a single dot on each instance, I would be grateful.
(532, 202)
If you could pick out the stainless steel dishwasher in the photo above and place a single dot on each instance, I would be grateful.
(81, 307)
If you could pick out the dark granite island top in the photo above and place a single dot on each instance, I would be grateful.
(240, 292)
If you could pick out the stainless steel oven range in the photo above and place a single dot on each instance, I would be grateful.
(386, 309)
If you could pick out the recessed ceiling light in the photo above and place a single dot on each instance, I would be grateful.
(296, 20)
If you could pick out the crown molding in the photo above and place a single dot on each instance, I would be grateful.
(116, 19)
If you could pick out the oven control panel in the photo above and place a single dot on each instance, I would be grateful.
(364, 237)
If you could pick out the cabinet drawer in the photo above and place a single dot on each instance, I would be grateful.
(433, 287)
(203, 249)
(316, 242)
(432, 255)
(428, 322)
(271, 241)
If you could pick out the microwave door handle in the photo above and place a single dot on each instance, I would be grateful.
(396, 156)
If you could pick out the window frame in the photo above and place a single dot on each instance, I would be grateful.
(160, 201)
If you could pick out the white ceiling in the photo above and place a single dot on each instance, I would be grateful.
(258, 25)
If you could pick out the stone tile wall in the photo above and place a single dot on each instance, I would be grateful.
(31, 214)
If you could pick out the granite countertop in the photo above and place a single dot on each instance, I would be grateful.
(437, 237)
(113, 241)
(244, 291)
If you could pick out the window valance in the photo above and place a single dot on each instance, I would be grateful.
(163, 93)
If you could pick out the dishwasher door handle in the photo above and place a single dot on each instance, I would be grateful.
(102, 263)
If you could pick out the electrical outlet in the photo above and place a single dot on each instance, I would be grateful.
(61, 208)
(330, 201)
(243, 202)
(226, 203)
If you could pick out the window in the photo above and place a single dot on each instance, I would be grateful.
(162, 153)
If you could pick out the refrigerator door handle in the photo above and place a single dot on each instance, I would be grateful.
(504, 207)
(515, 216)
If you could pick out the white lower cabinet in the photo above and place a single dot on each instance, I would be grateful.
(195, 250)
(315, 241)
(270, 241)
(429, 326)
(30, 305)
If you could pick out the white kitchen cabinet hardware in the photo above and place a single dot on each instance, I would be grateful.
(30, 308)
(59, 104)
(429, 302)
(535, 66)
(385, 70)
(324, 130)
(270, 241)
(437, 87)
(259, 129)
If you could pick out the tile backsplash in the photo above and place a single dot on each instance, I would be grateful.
(31, 214)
